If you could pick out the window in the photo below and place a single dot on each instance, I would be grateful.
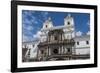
(55, 37)
(42, 51)
(46, 26)
(55, 51)
(68, 49)
(33, 45)
(87, 42)
(77, 43)
(68, 23)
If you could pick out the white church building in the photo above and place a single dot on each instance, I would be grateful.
(57, 43)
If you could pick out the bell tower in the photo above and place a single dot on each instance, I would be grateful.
(69, 21)
(47, 24)
(69, 24)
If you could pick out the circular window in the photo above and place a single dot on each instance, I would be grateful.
(55, 51)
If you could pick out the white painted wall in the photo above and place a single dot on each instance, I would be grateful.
(33, 52)
(82, 44)
(82, 51)
(82, 47)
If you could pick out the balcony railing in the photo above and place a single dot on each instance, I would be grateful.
(59, 42)
(70, 56)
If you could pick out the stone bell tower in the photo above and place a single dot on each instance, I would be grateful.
(46, 25)
(69, 24)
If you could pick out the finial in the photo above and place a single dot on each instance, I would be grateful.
(69, 15)
(49, 18)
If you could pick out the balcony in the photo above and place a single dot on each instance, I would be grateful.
(58, 42)
(68, 57)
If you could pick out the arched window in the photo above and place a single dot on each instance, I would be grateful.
(77, 43)
(68, 23)
(55, 37)
(68, 49)
(46, 26)
(42, 51)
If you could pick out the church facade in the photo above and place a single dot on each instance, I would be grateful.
(60, 42)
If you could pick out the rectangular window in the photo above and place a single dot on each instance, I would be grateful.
(55, 37)
(42, 51)
(77, 43)
(87, 42)
(68, 49)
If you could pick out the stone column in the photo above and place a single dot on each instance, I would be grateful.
(59, 50)
(49, 51)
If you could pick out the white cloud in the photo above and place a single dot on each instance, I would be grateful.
(79, 33)
(29, 28)
(26, 21)
(32, 20)
(26, 38)
(88, 23)
(37, 35)
(45, 15)
(88, 33)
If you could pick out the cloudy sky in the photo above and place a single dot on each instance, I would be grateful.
(32, 22)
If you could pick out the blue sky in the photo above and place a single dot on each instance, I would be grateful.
(32, 22)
